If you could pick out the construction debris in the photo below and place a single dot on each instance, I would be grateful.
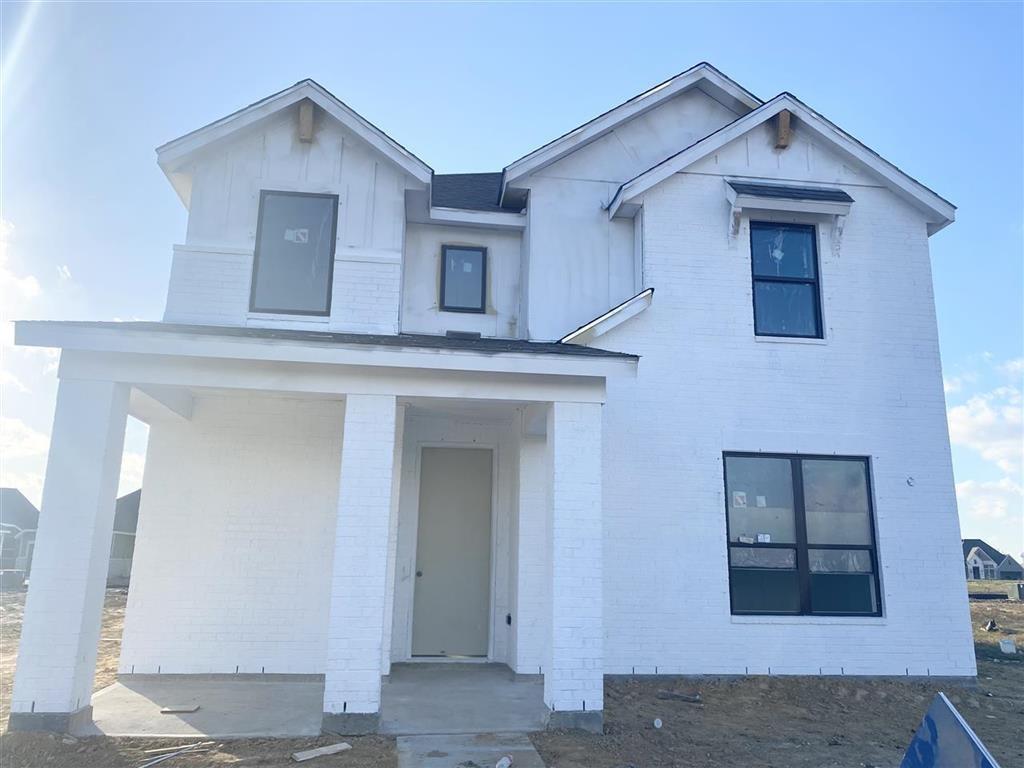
(191, 749)
(990, 626)
(690, 698)
(179, 709)
(331, 749)
(159, 750)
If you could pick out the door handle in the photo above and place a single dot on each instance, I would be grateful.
(419, 574)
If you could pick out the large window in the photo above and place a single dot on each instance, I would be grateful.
(294, 260)
(463, 278)
(801, 535)
(784, 260)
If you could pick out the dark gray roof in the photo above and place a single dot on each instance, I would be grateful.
(786, 192)
(16, 510)
(988, 549)
(402, 340)
(471, 191)
(126, 512)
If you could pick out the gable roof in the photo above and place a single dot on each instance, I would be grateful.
(971, 544)
(981, 554)
(18, 511)
(469, 191)
(126, 512)
(1010, 564)
(172, 155)
(940, 211)
(702, 76)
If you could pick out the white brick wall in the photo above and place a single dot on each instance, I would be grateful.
(533, 559)
(233, 553)
(212, 286)
(573, 678)
(355, 634)
(705, 385)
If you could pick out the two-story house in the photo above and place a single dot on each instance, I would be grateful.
(661, 397)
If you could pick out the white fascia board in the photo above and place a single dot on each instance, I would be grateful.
(55, 334)
(695, 76)
(486, 219)
(171, 155)
(613, 318)
(941, 211)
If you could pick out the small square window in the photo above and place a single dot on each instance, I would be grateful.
(463, 278)
(784, 264)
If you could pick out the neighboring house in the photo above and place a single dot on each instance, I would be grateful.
(122, 541)
(397, 415)
(18, 522)
(983, 561)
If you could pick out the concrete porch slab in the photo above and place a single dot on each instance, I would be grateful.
(484, 750)
(228, 708)
(416, 699)
(425, 698)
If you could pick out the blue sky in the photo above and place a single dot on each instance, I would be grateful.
(89, 90)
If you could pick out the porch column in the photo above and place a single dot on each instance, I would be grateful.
(574, 675)
(358, 586)
(61, 631)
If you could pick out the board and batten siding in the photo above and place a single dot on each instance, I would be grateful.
(211, 272)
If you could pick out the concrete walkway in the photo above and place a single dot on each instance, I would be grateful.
(483, 750)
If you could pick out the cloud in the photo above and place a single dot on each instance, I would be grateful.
(995, 499)
(20, 441)
(132, 465)
(29, 483)
(14, 289)
(8, 379)
(1013, 368)
(992, 425)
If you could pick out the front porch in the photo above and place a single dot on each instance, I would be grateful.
(415, 699)
(321, 510)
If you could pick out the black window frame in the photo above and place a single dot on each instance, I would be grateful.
(802, 546)
(264, 193)
(814, 282)
(482, 250)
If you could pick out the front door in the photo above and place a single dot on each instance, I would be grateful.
(451, 602)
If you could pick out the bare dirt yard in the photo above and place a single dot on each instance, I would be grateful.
(785, 722)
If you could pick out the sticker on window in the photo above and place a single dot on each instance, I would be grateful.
(300, 236)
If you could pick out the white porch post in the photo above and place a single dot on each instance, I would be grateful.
(358, 590)
(532, 620)
(57, 655)
(574, 675)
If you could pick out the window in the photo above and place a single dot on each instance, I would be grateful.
(784, 262)
(294, 261)
(801, 535)
(463, 278)
(122, 546)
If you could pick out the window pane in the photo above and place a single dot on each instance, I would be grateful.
(757, 557)
(759, 493)
(463, 278)
(836, 502)
(779, 251)
(843, 593)
(294, 253)
(785, 309)
(758, 591)
(839, 560)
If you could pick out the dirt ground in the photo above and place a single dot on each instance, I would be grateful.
(750, 722)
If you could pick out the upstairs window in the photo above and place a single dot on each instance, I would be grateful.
(801, 535)
(294, 260)
(784, 260)
(463, 278)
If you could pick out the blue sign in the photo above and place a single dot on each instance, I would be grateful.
(945, 740)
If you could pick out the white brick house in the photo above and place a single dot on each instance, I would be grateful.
(662, 397)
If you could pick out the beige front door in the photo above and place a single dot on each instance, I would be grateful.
(452, 598)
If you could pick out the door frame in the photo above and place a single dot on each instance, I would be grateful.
(491, 446)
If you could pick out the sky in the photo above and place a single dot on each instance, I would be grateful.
(88, 91)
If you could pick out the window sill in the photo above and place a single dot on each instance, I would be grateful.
(279, 317)
(788, 340)
(845, 621)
